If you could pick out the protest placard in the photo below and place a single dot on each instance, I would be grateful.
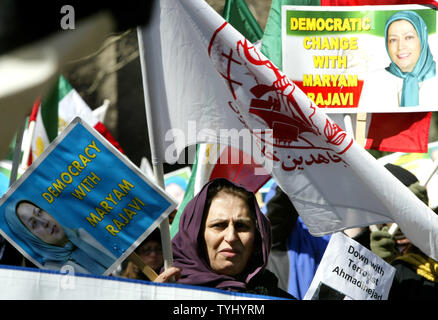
(348, 270)
(176, 182)
(5, 175)
(343, 60)
(81, 203)
(18, 283)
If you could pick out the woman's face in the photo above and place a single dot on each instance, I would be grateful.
(229, 234)
(41, 224)
(404, 45)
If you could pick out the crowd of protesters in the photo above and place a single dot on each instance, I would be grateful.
(226, 241)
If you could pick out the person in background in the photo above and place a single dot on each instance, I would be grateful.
(9, 255)
(150, 252)
(295, 254)
(416, 275)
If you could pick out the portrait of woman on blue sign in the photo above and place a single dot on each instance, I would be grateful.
(410, 78)
(57, 245)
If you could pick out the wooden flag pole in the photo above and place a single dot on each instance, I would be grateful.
(148, 271)
(16, 161)
(432, 173)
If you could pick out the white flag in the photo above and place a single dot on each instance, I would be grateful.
(204, 79)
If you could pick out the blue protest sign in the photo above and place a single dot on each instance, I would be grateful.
(83, 204)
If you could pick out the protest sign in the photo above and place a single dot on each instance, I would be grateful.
(81, 203)
(175, 184)
(34, 284)
(348, 270)
(340, 57)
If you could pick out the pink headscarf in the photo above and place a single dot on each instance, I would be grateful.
(189, 255)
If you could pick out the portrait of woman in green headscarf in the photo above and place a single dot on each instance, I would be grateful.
(410, 78)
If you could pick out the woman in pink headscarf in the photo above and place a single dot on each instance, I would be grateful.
(224, 242)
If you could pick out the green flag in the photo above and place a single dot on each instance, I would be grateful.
(188, 195)
(271, 40)
(237, 13)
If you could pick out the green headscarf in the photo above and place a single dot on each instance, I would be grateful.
(425, 67)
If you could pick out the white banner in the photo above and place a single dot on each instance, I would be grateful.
(35, 284)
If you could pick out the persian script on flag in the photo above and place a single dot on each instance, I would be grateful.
(337, 56)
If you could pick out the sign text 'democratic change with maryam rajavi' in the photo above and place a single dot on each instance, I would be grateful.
(350, 59)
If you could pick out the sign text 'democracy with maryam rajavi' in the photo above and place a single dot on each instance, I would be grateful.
(85, 184)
